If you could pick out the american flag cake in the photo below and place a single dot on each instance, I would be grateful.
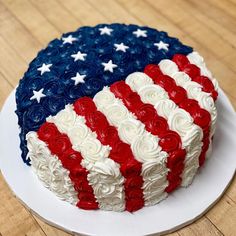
(116, 117)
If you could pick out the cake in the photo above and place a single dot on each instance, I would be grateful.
(116, 117)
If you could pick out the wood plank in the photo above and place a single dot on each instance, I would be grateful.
(201, 227)
(50, 230)
(12, 65)
(84, 12)
(219, 11)
(17, 36)
(223, 215)
(215, 24)
(51, 10)
(113, 11)
(5, 89)
(33, 20)
(15, 220)
(228, 7)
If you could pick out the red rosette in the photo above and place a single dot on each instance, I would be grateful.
(152, 71)
(120, 152)
(206, 144)
(166, 82)
(173, 185)
(86, 196)
(214, 95)
(133, 182)
(207, 85)
(173, 177)
(134, 204)
(70, 158)
(134, 193)
(131, 168)
(178, 168)
(175, 157)
(157, 125)
(178, 94)
(180, 60)
(145, 112)
(47, 131)
(84, 105)
(206, 134)
(81, 184)
(170, 141)
(108, 136)
(202, 158)
(189, 105)
(59, 144)
(192, 70)
(202, 118)
(133, 101)
(87, 205)
(120, 89)
(205, 82)
(96, 120)
(77, 173)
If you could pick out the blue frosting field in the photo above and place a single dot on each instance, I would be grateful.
(57, 84)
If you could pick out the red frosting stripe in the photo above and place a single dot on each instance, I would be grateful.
(60, 145)
(178, 94)
(170, 141)
(120, 152)
(195, 74)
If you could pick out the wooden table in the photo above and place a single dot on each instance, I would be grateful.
(27, 26)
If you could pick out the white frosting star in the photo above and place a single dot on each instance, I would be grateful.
(78, 78)
(79, 56)
(140, 33)
(44, 68)
(121, 47)
(105, 30)
(162, 45)
(69, 39)
(109, 66)
(38, 95)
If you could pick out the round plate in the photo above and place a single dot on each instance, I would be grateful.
(181, 207)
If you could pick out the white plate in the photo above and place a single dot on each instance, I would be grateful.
(179, 209)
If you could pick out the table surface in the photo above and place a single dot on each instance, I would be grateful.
(27, 26)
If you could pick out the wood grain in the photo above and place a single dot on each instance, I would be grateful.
(28, 25)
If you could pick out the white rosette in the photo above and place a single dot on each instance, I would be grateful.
(137, 80)
(129, 129)
(181, 122)
(146, 148)
(152, 94)
(168, 67)
(198, 60)
(107, 183)
(49, 169)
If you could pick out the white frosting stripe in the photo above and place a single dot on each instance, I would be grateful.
(190, 133)
(193, 89)
(104, 174)
(49, 169)
(196, 59)
(143, 144)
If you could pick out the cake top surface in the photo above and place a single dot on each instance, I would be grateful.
(81, 63)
